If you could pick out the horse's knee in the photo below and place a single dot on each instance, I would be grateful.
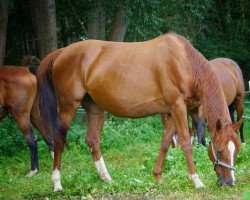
(94, 146)
(165, 146)
(92, 142)
(186, 147)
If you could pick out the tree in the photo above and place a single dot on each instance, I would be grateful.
(118, 26)
(96, 23)
(3, 31)
(44, 22)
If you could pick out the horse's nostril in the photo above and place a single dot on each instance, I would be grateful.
(221, 180)
(231, 183)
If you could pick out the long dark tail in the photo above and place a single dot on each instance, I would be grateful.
(47, 98)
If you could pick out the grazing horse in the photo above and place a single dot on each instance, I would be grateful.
(232, 82)
(18, 88)
(163, 75)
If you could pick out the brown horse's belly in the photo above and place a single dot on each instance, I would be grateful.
(132, 108)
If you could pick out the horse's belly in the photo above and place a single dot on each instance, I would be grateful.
(131, 107)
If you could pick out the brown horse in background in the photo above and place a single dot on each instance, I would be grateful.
(18, 88)
(232, 82)
(163, 75)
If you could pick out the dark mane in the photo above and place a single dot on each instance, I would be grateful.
(208, 84)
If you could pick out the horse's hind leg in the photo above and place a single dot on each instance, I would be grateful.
(24, 124)
(95, 116)
(179, 115)
(66, 112)
(168, 133)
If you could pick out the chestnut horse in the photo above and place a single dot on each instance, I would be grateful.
(18, 88)
(163, 75)
(232, 82)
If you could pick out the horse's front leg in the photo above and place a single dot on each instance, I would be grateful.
(95, 117)
(179, 115)
(168, 133)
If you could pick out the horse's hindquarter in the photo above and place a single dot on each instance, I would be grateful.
(18, 86)
(230, 78)
(128, 79)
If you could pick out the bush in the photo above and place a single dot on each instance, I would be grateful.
(11, 139)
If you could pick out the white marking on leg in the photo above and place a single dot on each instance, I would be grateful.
(31, 173)
(102, 170)
(175, 140)
(195, 178)
(231, 147)
(52, 154)
(56, 180)
(191, 139)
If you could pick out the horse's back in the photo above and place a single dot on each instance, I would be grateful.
(135, 78)
(231, 78)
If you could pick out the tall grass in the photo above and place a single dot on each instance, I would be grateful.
(129, 148)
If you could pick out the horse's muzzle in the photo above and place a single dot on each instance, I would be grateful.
(221, 181)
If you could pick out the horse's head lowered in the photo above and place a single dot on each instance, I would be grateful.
(223, 149)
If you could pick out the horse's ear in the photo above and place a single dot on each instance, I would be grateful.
(218, 125)
(237, 125)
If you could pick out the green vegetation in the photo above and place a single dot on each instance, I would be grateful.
(129, 148)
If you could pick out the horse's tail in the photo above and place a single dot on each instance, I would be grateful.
(31, 61)
(47, 97)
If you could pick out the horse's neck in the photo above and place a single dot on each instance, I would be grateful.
(213, 99)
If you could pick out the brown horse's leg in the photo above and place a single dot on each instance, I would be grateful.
(179, 114)
(66, 111)
(239, 106)
(37, 122)
(169, 130)
(23, 121)
(95, 116)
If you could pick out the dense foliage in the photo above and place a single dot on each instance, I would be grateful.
(218, 28)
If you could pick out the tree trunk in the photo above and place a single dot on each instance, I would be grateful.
(3, 31)
(44, 22)
(118, 27)
(96, 26)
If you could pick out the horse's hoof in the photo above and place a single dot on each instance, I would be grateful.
(195, 178)
(200, 186)
(158, 179)
(31, 173)
(58, 187)
(107, 179)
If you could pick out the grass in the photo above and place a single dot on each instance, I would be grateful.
(129, 148)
